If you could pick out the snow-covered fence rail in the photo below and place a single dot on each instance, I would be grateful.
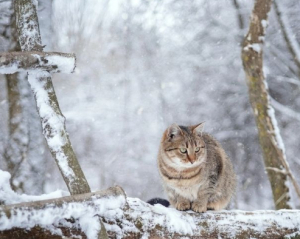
(53, 62)
(79, 216)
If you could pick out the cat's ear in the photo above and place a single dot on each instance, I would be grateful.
(173, 131)
(198, 129)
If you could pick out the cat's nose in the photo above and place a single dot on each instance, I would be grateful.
(192, 158)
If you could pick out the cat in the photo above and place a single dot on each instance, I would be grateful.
(195, 170)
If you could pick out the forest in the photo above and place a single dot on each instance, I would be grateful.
(142, 65)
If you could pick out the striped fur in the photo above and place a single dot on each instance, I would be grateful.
(196, 172)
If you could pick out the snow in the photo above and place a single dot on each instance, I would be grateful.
(255, 46)
(264, 24)
(271, 114)
(148, 217)
(202, 78)
(56, 137)
(29, 35)
(12, 68)
(8, 196)
(36, 3)
(64, 64)
(53, 216)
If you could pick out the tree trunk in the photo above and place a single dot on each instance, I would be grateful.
(269, 136)
(53, 122)
(79, 216)
(17, 147)
(19, 152)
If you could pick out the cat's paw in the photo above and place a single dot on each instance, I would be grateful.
(183, 205)
(199, 207)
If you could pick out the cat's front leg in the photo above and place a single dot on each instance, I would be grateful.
(179, 202)
(200, 204)
(183, 204)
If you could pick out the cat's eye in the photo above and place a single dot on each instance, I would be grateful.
(197, 149)
(183, 150)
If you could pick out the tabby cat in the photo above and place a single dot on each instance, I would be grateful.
(196, 172)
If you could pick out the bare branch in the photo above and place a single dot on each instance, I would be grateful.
(277, 170)
(239, 14)
(286, 79)
(285, 110)
(289, 38)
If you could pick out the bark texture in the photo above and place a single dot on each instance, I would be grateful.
(53, 122)
(12, 62)
(21, 150)
(269, 137)
(134, 218)
(17, 147)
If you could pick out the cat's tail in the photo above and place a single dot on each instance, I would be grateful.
(161, 201)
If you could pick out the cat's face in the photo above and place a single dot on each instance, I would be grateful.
(184, 146)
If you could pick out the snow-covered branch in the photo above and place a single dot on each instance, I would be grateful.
(54, 130)
(72, 215)
(12, 62)
(28, 25)
(54, 216)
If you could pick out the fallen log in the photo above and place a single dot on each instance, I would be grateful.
(79, 216)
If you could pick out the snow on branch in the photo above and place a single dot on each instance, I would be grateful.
(54, 130)
(79, 215)
(8, 196)
(12, 62)
(73, 215)
(28, 25)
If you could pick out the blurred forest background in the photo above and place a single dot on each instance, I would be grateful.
(141, 66)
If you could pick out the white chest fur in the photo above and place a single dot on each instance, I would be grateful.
(187, 188)
(179, 165)
(189, 192)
